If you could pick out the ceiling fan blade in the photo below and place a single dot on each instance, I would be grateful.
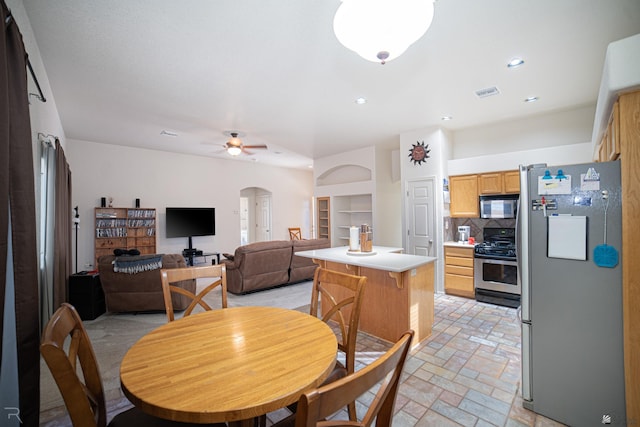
(255, 146)
(247, 152)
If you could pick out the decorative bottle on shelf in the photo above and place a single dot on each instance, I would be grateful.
(366, 238)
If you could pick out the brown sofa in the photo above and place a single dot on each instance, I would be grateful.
(264, 265)
(142, 291)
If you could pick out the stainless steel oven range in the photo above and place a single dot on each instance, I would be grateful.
(496, 268)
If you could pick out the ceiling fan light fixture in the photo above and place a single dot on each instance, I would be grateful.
(381, 30)
(234, 150)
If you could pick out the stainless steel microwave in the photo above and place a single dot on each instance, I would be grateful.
(501, 206)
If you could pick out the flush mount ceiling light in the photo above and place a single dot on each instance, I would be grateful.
(361, 100)
(381, 30)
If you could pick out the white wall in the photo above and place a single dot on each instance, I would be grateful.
(563, 137)
(388, 207)
(562, 155)
(439, 142)
(366, 171)
(543, 131)
(160, 179)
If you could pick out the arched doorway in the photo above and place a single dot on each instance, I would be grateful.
(255, 215)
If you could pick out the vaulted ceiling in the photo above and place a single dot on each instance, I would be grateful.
(124, 71)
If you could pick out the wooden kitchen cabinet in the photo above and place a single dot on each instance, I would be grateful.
(465, 189)
(458, 271)
(511, 182)
(505, 182)
(609, 148)
(626, 113)
(490, 183)
(463, 192)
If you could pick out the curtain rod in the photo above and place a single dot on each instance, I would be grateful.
(39, 95)
(46, 139)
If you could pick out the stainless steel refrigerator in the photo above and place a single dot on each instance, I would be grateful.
(572, 343)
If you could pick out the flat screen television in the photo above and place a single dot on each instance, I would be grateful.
(188, 222)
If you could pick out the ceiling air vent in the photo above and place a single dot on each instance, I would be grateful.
(489, 91)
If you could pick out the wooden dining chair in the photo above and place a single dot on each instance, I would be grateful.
(339, 296)
(173, 275)
(83, 394)
(295, 233)
(316, 406)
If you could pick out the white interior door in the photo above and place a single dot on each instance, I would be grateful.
(263, 218)
(420, 217)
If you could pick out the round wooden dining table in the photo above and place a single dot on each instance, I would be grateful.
(228, 365)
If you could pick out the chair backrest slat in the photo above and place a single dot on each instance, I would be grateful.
(315, 406)
(295, 233)
(340, 295)
(217, 272)
(83, 396)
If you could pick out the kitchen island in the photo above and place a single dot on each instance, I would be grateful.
(399, 292)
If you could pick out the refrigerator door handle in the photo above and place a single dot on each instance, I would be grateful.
(522, 242)
(527, 393)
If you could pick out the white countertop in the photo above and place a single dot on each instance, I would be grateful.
(385, 258)
(458, 244)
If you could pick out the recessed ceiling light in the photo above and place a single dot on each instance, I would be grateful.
(531, 99)
(515, 62)
(446, 118)
(361, 100)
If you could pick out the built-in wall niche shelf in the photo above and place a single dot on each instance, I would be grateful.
(344, 174)
(352, 210)
(324, 217)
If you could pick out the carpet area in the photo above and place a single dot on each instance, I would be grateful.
(113, 334)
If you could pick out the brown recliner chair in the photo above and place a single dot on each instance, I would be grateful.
(302, 268)
(259, 265)
(142, 291)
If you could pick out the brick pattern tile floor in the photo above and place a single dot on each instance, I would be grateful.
(466, 374)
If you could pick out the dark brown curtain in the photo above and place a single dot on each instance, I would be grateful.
(62, 229)
(18, 214)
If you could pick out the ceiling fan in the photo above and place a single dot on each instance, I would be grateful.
(235, 146)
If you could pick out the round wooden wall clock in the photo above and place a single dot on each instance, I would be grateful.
(419, 153)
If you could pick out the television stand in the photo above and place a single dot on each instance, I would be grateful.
(199, 257)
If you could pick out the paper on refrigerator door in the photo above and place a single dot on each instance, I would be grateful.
(554, 185)
(567, 237)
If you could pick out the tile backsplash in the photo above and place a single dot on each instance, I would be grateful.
(477, 225)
